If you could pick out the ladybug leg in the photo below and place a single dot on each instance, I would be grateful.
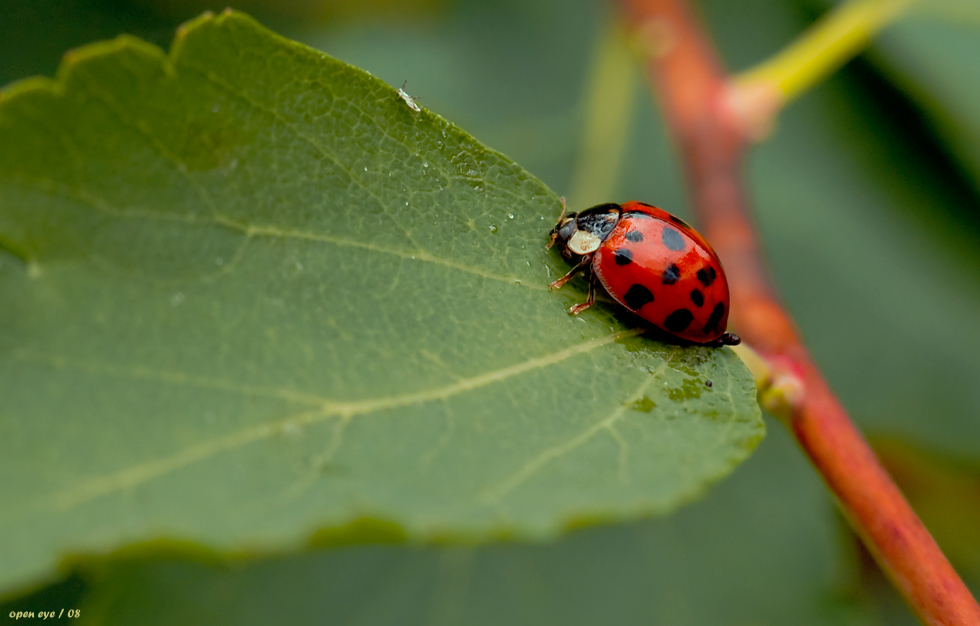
(578, 308)
(552, 241)
(584, 263)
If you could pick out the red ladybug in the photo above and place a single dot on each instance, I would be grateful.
(652, 263)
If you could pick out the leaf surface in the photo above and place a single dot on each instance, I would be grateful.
(686, 569)
(248, 295)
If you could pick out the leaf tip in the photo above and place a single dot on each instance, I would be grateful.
(190, 25)
(77, 58)
(208, 18)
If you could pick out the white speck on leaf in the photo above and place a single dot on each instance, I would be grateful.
(409, 100)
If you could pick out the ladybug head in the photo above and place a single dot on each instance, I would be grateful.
(583, 233)
(563, 232)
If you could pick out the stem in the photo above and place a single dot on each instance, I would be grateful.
(831, 42)
(609, 105)
(755, 96)
(693, 90)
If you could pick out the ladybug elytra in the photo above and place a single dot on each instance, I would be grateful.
(652, 263)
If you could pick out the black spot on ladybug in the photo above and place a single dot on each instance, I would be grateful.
(623, 256)
(636, 296)
(672, 239)
(671, 275)
(635, 236)
(716, 314)
(697, 297)
(678, 320)
(707, 275)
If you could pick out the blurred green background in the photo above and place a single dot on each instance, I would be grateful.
(868, 200)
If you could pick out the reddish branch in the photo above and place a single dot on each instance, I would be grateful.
(694, 91)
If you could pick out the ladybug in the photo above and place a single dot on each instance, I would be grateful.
(652, 263)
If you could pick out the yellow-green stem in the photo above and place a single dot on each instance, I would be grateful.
(609, 106)
(831, 42)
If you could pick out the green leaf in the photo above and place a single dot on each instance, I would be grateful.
(684, 569)
(249, 296)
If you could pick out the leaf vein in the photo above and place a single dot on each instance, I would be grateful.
(136, 475)
(495, 493)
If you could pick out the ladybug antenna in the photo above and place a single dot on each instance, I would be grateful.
(554, 232)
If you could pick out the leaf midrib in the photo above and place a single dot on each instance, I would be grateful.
(324, 409)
